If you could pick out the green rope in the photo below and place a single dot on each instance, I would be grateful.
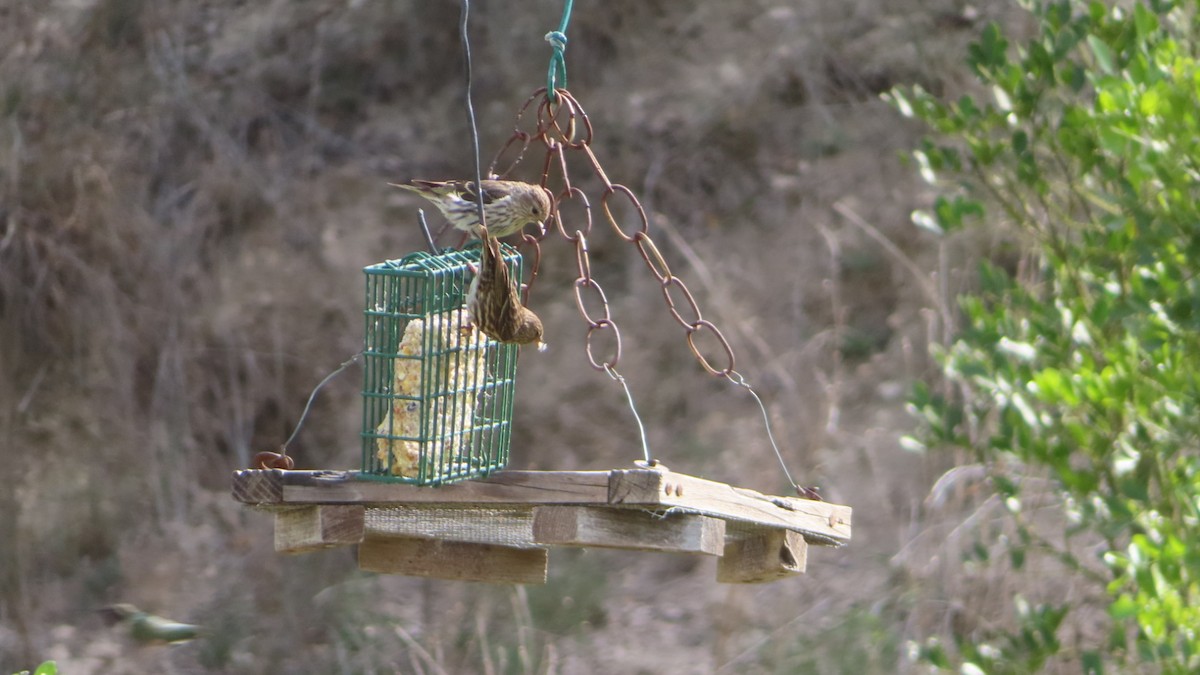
(556, 77)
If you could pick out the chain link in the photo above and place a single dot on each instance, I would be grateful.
(603, 325)
(645, 225)
(569, 195)
(654, 260)
(675, 282)
(563, 126)
(705, 326)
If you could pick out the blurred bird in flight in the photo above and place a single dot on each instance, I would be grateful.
(495, 304)
(146, 628)
(508, 205)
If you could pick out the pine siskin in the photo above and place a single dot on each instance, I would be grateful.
(495, 305)
(508, 205)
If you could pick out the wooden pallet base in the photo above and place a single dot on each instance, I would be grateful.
(499, 529)
(454, 560)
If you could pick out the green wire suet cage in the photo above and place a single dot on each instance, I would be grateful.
(437, 393)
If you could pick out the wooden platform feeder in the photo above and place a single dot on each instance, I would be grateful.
(499, 529)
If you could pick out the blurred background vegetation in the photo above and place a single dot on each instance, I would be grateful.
(188, 193)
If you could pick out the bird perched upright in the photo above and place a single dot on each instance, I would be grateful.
(494, 303)
(508, 205)
(148, 628)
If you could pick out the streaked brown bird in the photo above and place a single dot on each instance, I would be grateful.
(494, 303)
(508, 205)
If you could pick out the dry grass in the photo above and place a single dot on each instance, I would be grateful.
(188, 192)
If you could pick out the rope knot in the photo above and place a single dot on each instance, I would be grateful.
(557, 40)
(556, 77)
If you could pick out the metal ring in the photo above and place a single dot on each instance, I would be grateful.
(596, 168)
(612, 189)
(525, 140)
(691, 340)
(558, 151)
(544, 121)
(272, 460)
(548, 114)
(578, 114)
(525, 136)
(583, 263)
(533, 242)
(567, 196)
(654, 259)
(587, 282)
(687, 295)
(554, 149)
(603, 324)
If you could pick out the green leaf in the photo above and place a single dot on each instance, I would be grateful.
(1003, 102)
(899, 99)
(989, 53)
(925, 220)
(925, 166)
(1020, 142)
(1104, 54)
(1150, 102)
(934, 654)
(1077, 350)
(1144, 20)
(1022, 351)
(1123, 607)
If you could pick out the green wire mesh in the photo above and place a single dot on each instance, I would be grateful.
(437, 393)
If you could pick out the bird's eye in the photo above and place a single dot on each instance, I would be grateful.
(537, 211)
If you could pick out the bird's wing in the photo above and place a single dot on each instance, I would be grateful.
(493, 271)
(497, 275)
(492, 191)
(165, 630)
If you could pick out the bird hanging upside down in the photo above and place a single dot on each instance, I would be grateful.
(508, 205)
(146, 628)
(494, 303)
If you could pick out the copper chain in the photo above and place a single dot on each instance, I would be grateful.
(563, 127)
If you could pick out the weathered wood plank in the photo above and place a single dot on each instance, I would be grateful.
(822, 523)
(628, 529)
(258, 486)
(502, 525)
(273, 487)
(312, 528)
(458, 561)
(770, 556)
